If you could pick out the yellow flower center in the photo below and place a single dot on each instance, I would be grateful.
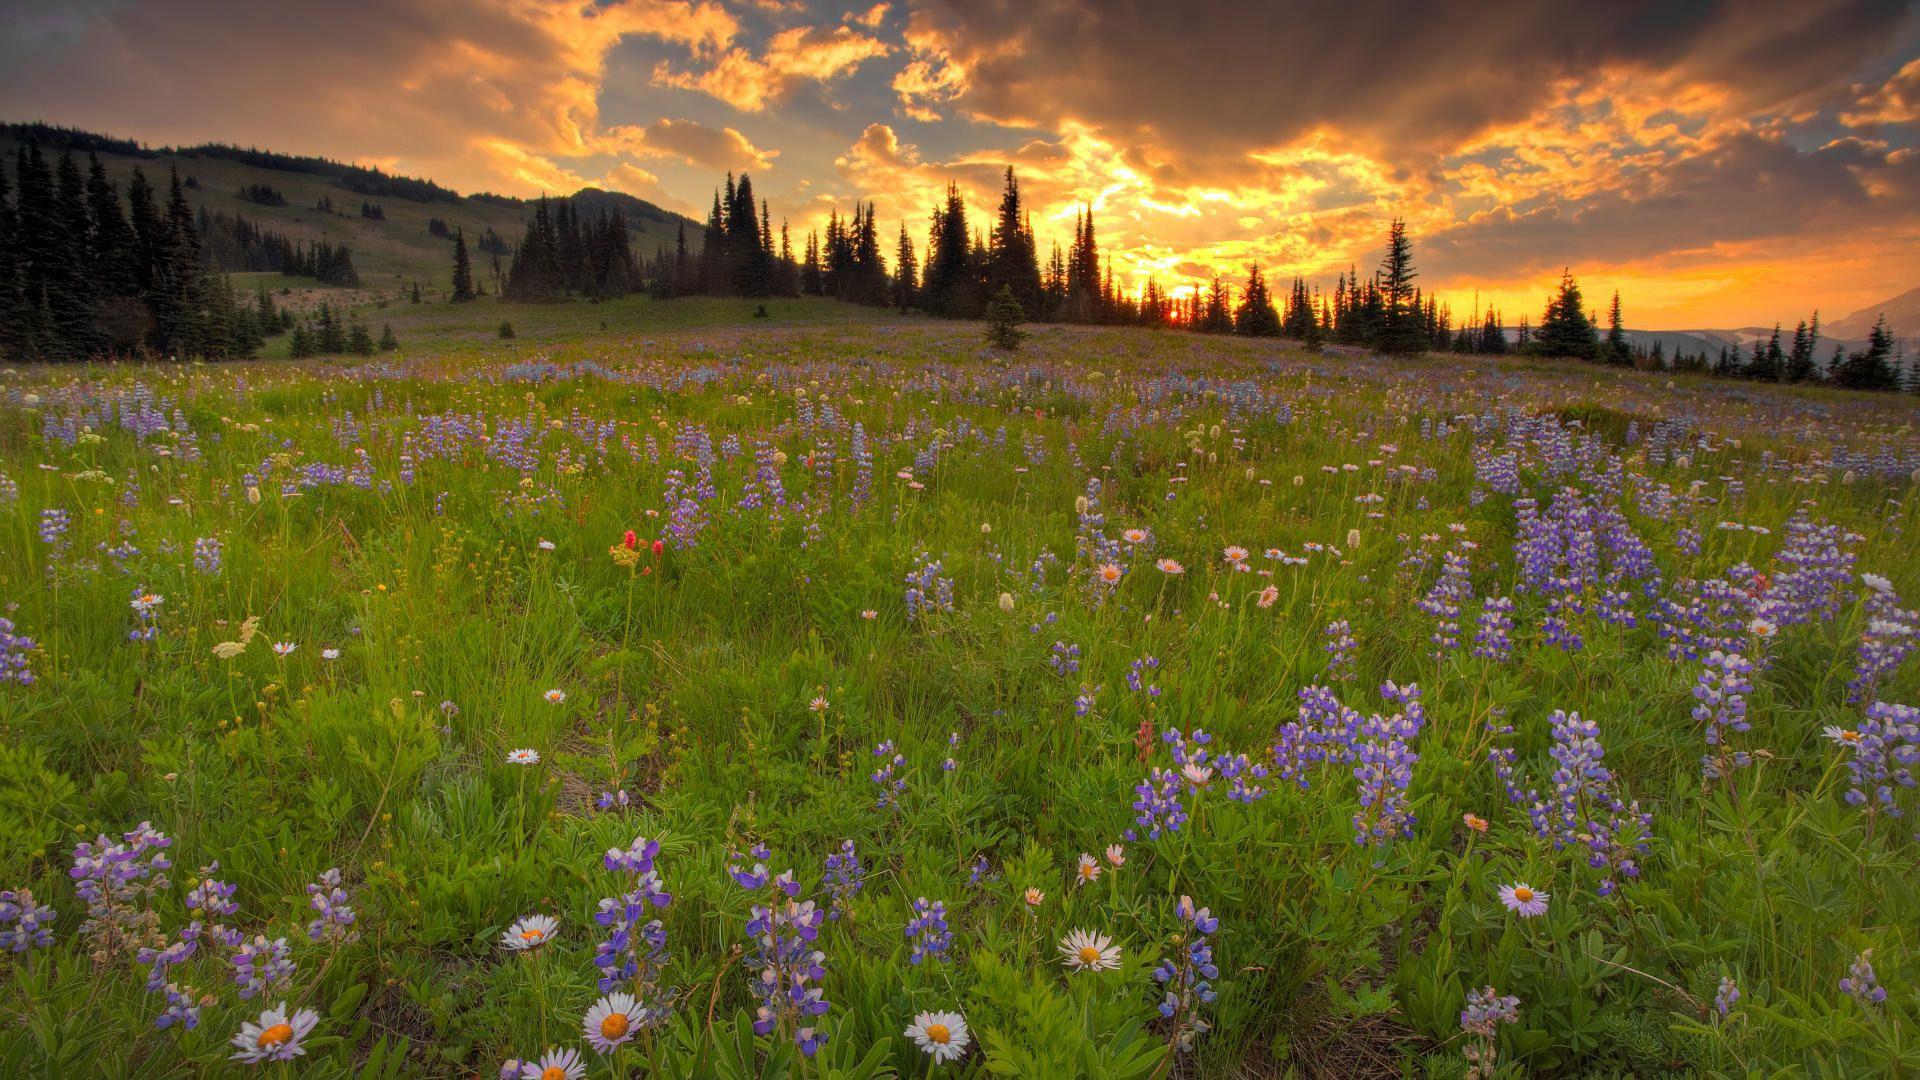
(1089, 955)
(1522, 894)
(1088, 870)
(553, 1072)
(275, 1035)
(938, 1033)
(532, 936)
(614, 1026)
(1850, 736)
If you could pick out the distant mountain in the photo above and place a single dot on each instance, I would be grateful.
(324, 202)
(1902, 312)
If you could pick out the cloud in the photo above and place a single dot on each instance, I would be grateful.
(1896, 101)
(717, 149)
(469, 94)
(1216, 77)
(793, 57)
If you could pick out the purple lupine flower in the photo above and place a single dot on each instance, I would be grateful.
(1885, 749)
(1486, 1010)
(260, 965)
(1586, 807)
(1187, 974)
(332, 902)
(24, 923)
(1493, 631)
(115, 881)
(1444, 600)
(14, 658)
(1065, 659)
(1725, 997)
(888, 780)
(928, 932)
(1384, 767)
(785, 968)
(1891, 635)
(634, 952)
(1340, 649)
(54, 523)
(207, 554)
(845, 877)
(1158, 809)
(1861, 983)
(1720, 693)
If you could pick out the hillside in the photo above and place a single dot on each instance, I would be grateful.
(389, 254)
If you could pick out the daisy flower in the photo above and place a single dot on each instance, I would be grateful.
(1083, 950)
(613, 1020)
(1109, 573)
(555, 697)
(329, 654)
(1170, 566)
(1116, 856)
(1268, 596)
(1474, 822)
(1034, 896)
(523, 757)
(546, 545)
(943, 1035)
(818, 704)
(275, 1036)
(1235, 553)
(1134, 536)
(1841, 735)
(1088, 871)
(555, 1064)
(284, 648)
(869, 613)
(1523, 900)
(529, 933)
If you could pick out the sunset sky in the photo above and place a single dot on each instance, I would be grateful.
(1721, 164)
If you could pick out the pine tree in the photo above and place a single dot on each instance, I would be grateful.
(462, 269)
(1615, 350)
(1401, 330)
(1004, 317)
(388, 343)
(1769, 362)
(905, 287)
(1870, 368)
(948, 288)
(1565, 329)
(1802, 366)
(1012, 262)
(1256, 316)
(359, 342)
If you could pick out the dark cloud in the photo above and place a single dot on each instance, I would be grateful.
(1219, 77)
(1743, 188)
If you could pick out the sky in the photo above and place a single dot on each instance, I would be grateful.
(1720, 164)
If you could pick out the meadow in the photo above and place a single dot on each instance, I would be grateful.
(835, 697)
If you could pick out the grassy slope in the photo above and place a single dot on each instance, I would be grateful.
(389, 254)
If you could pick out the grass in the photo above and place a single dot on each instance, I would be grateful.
(451, 520)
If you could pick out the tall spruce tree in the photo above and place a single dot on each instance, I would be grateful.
(1565, 329)
(462, 269)
(949, 287)
(1402, 329)
(1615, 350)
(1256, 316)
(1012, 262)
(905, 286)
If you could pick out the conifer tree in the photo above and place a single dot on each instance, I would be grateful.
(1615, 349)
(1004, 317)
(948, 288)
(462, 269)
(1256, 316)
(1401, 330)
(388, 342)
(1012, 262)
(905, 287)
(1565, 329)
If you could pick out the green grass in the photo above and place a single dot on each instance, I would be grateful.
(425, 486)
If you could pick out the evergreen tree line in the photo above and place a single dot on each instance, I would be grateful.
(85, 273)
(324, 332)
(233, 243)
(562, 255)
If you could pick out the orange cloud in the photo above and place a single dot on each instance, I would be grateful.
(721, 150)
(1896, 101)
(793, 57)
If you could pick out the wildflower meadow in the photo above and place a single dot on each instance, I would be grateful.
(851, 700)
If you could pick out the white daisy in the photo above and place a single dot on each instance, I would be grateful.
(329, 654)
(1088, 870)
(284, 648)
(613, 1020)
(523, 757)
(529, 933)
(1083, 950)
(555, 697)
(555, 1064)
(275, 1036)
(1116, 856)
(943, 1035)
(1841, 735)
(546, 545)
